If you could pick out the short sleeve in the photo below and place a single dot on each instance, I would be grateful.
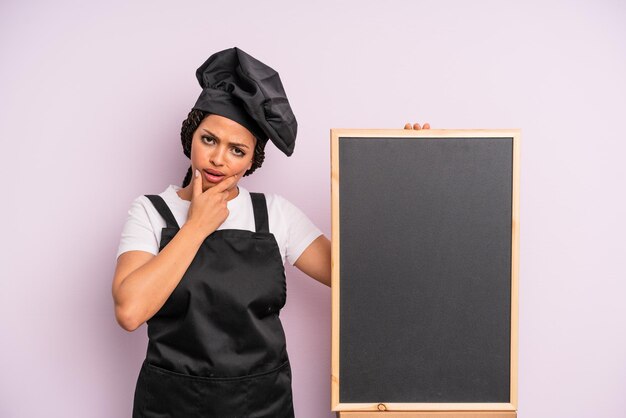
(138, 233)
(300, 231)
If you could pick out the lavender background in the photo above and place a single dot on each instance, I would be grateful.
(92, 95)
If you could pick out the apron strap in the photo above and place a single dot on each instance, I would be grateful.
(163, 210)
(260, 212)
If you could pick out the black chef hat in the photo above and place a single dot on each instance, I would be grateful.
(240, 87)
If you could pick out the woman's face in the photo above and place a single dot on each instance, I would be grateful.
(220, 148)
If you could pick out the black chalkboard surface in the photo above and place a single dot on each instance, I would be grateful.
(425, 238)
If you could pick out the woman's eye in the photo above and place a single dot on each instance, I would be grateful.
(208, 140)
(238, 152)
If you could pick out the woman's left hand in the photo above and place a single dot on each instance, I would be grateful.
(417, 126)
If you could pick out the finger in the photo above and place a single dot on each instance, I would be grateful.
(417, 126)
(408, 126)
(426, 126)
(224, 185)
(196, 184)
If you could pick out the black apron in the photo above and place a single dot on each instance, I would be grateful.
(217, 346)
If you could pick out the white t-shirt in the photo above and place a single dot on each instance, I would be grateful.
(293, 230)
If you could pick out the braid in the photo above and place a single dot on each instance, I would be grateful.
(257, 158)
(187, 179)
(189, 126)
(194, 118)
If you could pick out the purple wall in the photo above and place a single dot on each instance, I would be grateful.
(91, 101)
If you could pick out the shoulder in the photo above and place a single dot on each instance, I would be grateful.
(280, 204)
(139, 206)
(171, 196)
(285, 212)
(272, 200)
(281, 211)
(297, 229)
(140, 231)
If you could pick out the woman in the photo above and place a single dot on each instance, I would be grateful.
(203, 264)
(211, 290)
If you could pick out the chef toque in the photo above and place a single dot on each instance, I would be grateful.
(240, 87)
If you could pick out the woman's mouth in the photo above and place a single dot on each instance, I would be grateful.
(213, 176)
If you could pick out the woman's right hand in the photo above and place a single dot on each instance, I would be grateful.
(208, 210)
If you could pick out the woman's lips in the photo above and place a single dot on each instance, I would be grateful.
(213, 176)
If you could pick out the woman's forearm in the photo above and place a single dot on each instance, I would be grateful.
(144, 291)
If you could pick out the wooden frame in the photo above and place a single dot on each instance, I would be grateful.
(401, 410)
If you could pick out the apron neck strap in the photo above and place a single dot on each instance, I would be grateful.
(163, 210)
(260, 212)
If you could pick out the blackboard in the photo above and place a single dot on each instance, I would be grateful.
(425, 232)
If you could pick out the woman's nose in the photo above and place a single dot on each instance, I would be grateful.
(217, 156)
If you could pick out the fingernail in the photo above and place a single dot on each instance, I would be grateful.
(197, 172)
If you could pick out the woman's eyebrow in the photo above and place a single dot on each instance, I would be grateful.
(211, 133)
(237, 144)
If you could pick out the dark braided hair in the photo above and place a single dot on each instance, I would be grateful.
(190, 125)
